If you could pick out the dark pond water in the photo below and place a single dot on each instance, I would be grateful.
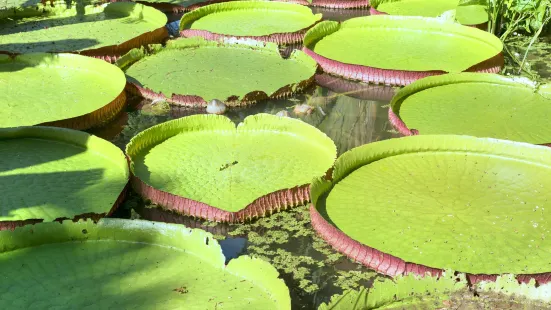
(351, 114)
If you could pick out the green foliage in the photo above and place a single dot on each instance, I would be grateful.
(508, 16)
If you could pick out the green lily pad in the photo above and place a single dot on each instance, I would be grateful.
(202, 165)
(130, 264)
(471, 14)
(425, 203)
(403, 292)
(447, 291)
(483, 105)
(65, 90)
(509, 285)
(48, 173)
(94, 30)
(465, 14)
(403, 43)
(194, 71)
(250, 19)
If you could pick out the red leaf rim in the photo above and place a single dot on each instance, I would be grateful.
(96, 118)
(234, 101)
(482, 26)
(388, 264)
(333, 4)
(353, 89)
(170, 216)
(278, 38)
(12, 225)
(402, 128)
(265, 205)
(393, 77)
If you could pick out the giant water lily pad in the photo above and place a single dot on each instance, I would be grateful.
(194, 71)
(465, 14)
(398, 50)
(425, 203)
(483, 105)
(203, 166)
(104, 31)
(64, 90)
(276, 22)
(127, 264)
(49, 173)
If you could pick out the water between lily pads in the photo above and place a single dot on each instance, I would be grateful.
(351, 114)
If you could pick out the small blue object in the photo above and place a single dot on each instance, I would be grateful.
(232, 247)
(173, 28)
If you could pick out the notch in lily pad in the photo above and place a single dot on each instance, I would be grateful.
(142, 264)
(204, 166)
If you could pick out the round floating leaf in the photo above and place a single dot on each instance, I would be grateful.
(483, 105)
(194, 71)
(203, 166)
(403, 292)
(398, 50)
(276, 22)
(64, 90)
(465, 14)
(49, 173)
(424, 203)
(110, 30)
(130, 264)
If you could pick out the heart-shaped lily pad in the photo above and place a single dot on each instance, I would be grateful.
(194, 71)
(80, 92)
(471, 15)
(397, 50)
(267, 21)
(101, 31)
(126, 264)
(49, 173)
(204, 166)
(482, 105)
(425, 203)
